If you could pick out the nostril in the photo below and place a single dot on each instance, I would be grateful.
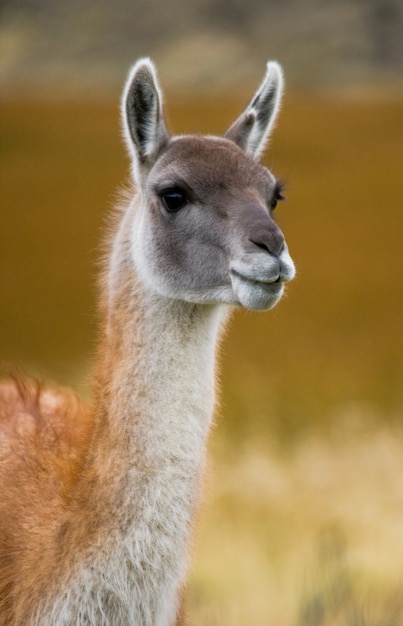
(274, 246)
(263, 246)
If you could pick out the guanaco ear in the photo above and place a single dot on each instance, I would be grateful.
(143, 121)
(252, 128)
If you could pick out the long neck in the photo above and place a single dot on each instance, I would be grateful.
(156, 386)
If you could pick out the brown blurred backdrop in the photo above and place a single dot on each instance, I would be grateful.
(309, 429)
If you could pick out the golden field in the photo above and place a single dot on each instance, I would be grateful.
(303, 521)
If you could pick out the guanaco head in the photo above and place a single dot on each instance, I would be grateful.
(204, 230)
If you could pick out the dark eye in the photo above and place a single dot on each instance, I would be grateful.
(173, 199)
(277, 196)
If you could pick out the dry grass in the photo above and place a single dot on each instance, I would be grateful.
(311, 536)
(304, 522)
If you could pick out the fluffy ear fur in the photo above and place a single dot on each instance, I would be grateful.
(142, 116)
(252, 128)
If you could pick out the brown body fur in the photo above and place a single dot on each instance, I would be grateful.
(44, 437)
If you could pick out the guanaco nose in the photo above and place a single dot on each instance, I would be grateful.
(267, 236)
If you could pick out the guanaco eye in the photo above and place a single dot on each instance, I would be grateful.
(277, 195)
(173, 199)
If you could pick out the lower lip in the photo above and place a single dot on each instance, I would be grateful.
(257, 295)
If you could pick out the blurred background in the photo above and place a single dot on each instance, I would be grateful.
(303, 521)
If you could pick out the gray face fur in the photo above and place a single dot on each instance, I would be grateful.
(205, 232)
